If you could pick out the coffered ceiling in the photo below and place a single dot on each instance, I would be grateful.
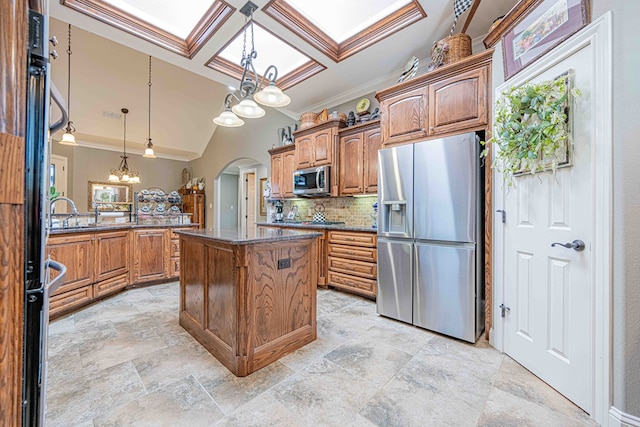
(346, 50)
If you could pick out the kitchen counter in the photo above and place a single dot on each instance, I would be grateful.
(249, 297)
(114, 227)
(320, 226)
(248, 236)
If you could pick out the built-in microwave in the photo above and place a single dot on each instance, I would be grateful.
(312, 182)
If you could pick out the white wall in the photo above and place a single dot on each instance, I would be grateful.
(626, 202)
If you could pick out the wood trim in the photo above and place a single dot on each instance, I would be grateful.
(321, 126)
(292, 78)
(12, 169)
(11, 313)
(289, 17)
(210, 23)
(13, 89)
(360, 127)
(468, 63)
(474, 8)
(509, 19)
(282, 149)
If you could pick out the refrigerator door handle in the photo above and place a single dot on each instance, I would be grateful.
(57, 98)
(62, 272)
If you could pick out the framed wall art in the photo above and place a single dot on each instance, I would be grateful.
(534, 27)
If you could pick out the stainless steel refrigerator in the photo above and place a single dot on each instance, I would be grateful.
(430, 256)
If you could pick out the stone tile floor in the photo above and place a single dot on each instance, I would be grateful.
(126, 361)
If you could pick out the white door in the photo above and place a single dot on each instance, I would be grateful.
(58, 179)
(549, 328)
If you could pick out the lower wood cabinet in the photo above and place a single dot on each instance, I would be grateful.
(101, 263)
(150, 255)
(352, 261)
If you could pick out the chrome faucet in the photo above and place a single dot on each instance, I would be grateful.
(65, 222)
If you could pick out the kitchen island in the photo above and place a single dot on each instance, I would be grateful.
(248, 296)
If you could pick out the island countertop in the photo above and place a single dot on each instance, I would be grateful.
(248, 236)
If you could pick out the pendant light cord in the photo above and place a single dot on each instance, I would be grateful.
(69, 74)
(149, 132)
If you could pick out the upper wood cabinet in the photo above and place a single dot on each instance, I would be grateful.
(405, 116)
(447, 100)
(358, 165)
(458, 102)
(283, 163)
(315, 146)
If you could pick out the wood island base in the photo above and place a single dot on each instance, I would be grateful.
(249, 301)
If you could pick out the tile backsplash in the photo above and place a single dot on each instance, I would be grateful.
(354, 211)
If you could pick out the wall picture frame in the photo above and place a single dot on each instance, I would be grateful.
(534, 27)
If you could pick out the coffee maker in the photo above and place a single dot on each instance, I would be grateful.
(279, 216)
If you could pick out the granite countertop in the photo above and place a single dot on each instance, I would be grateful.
(113, 227)
(238, 236)
(320, 226)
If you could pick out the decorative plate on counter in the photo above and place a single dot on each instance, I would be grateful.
(145, 209)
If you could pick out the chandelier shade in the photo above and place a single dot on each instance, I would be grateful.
(68, 138)
(123, 173)
(252, 89)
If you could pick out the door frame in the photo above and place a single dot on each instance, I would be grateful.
(242, 189)
(597, 34)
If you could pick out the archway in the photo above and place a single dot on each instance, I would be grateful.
(237, 195)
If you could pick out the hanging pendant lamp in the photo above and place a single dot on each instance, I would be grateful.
(123, 173)
(68, 138)
(148, 151)
(252, 89)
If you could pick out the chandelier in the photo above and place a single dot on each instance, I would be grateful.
(251, 88)
(148, 151)
(123, 173)
(68, 138)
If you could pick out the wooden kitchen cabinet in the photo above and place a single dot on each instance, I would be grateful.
(445, 101)
(112, 254)
(458, 102)
(151, 257)
(76, 252)
(404, 116)
(283, 163)
(358, 165)
(352, 261)
(316, 145)
(193, 203)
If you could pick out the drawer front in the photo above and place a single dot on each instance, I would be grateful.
(353, 252)
(175, 267)
(175, 247)
(352, 283)
(353, 238)
(110, 286)
(357, 268)
(69, 300)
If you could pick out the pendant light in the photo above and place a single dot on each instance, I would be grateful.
(250, 85)
(148, 151)
(123, 173)
(68, 138)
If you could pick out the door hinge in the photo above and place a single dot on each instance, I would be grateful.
(503, 214)
(504, 309)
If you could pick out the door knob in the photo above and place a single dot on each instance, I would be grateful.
(576, 245)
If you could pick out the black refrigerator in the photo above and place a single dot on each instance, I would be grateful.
(37, 285)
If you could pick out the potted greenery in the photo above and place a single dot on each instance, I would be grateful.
(531, 130)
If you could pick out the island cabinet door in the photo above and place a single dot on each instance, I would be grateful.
(150, 255)
(192, 284)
